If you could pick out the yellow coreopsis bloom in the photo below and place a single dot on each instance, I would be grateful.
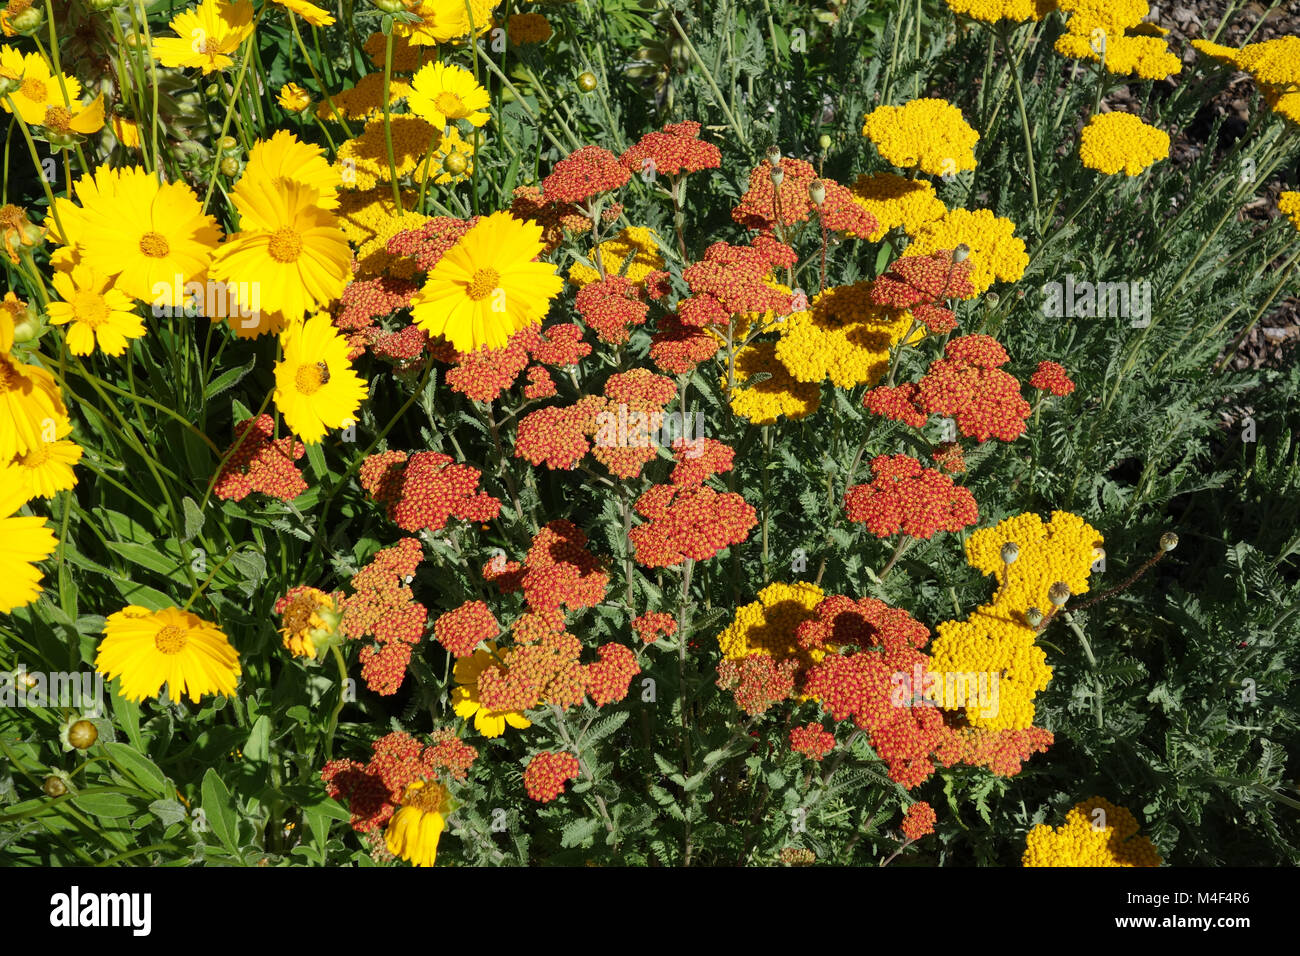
(46, 470)
(23, 542)
(31, 409)
(443, 94)
(441, 21)
(83, 118)
(488, 285)
(316, 388)
(206, 36)
(174, 647)
(289, 257)
(465, 699)
(293, 98)
(284, 158)
(98, 313)
(41, 88)
(416, 827)
(308, 11)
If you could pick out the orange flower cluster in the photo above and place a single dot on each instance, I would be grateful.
(373, 790)
(677, 348)
(922, 283)
(366, 301)
(382, 607)
(688, 520)
(651, 624)
(677, 149)
(461, 630)
(967, 385)
(258, 462)
(918, 821)
(609, 306)
(560, 572)
(734, 279)
(908, 497)
(547, 773)
(584, 173)
(766, 203)
(607, 680)
(425, 490)
(812, 740)
(757, 682)
(1051, 377)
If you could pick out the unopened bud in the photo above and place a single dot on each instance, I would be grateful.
(961, 253)
(454, 163)
(28, 22)
(1010, 551)
(992, 298)
(228, 142)
(82, 735)
(1058, 594)
(1034, 617)
(817, 192)
(389, 6)
(54, 786)
(774, 155)
(824, 141)
(587, 82)
(778, 175)
(1168, 541)
(229, 166)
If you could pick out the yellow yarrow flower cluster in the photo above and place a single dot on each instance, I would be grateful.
(363, 162)
(991, 11)
(1095, 833)
(1288, 204)
(996, 253)
(1275, 65)
(365, 100)
(844, 336)
(929, 134)
(767, 626)
(896, 201)
(1115, 142)
(369, 219)
(635, 242)
(1112, 32)
(766, 391)
(997, 638)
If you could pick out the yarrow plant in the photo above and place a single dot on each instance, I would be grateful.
(497, 433)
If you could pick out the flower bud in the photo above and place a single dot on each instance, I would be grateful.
(54, 786)
(389, 6)
(587, 81)
(817, 192)
(992, 298)
(16, 230)
(28, 22)
(778, 175)
(83, 734)
(824, 141)
(230, 167)
(961, 253)
(1168, 541)
(774, 155)
(1010, 551)
(454, 163)
(228, 143)
(1034, 618)
(1058, 594)
(101, 6)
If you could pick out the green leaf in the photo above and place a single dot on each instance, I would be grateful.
(579, 831)
(139, 767)
(218, 808)
(107, 805)
(168, 811)
(193, 519)
(229, 379)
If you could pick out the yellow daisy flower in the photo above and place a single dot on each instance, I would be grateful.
(488, 285)
(31, 409)
(315, 386)
(310, 620)
(83, 118)
(308, 11)
(443, 94)
(441, 21)
(46, 470)
(153, 237)
(40, 89)
(293, 98)
(174, 647)
(285, 158)
(98, 312)
(464, 696)
(416, 827)
(289, 256)
(206, 36)
(24, 540)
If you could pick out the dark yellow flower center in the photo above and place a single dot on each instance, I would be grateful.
(285, 245)
(58, 119)
(431, 798)
(34, 89)
(450, 104)
(155, 245)
(482, 283)
(170, 640)
(12, 217)
(36, 456)
(309, 378)
(90, 308)
(298, 616)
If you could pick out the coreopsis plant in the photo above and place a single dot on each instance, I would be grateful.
(478, 433)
